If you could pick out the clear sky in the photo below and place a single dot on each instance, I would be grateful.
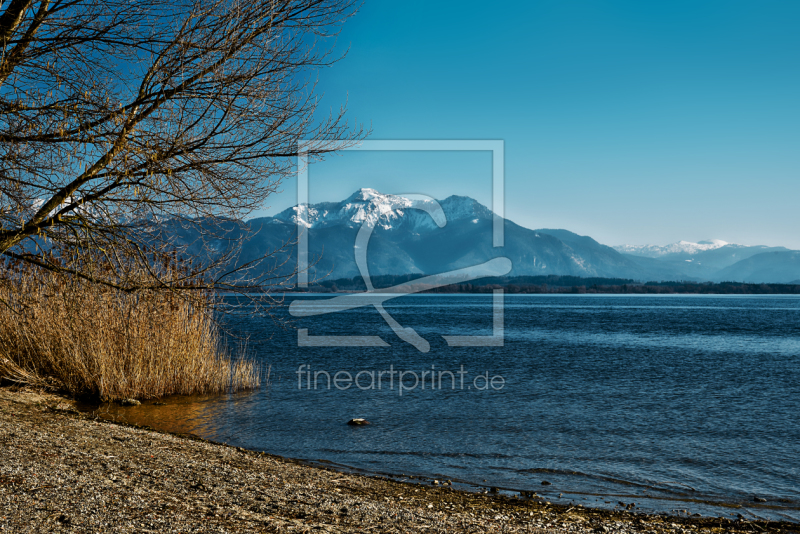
(632, 122)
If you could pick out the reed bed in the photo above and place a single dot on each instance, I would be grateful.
(64, 333)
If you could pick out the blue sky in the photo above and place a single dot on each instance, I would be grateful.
(632, 122)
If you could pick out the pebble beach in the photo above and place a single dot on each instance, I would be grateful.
(65, 471)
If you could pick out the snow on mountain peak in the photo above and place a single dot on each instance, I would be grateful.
(365, 194)
(685, 247)
(383, 210)
(716, 242)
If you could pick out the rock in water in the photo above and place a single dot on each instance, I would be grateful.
(129, 402)
(358, 422)
(545, 483)
(759, 499)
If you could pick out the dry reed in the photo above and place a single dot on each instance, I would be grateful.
(90, 340)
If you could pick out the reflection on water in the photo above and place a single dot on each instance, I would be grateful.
(192, 414)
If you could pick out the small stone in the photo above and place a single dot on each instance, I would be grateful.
(435, 482)
(546, 483)
(358, 422)
(759, 499)
(494, 490)
(129, 402)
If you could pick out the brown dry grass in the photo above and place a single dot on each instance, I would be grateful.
(93, 341)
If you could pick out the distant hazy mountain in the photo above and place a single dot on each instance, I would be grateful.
(406, 240)
(700, 260)
(681, 247)
(777, 267)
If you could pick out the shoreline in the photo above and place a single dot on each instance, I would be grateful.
(66, 471)
(687, 505)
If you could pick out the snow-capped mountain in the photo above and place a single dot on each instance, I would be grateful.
(704, 260)
(685, 247)
(407, 240)
(389, 212)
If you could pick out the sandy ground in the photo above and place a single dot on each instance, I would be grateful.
(63, 471)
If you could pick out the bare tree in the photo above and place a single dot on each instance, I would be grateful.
(118, 114)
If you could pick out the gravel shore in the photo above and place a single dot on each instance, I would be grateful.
(63, 471)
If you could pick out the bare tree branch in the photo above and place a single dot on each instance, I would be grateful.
(116, 116)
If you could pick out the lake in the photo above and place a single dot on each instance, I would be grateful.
(676, 403)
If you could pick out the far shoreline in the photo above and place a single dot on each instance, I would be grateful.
(545, 285)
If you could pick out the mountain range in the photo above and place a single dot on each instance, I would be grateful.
(406, 240)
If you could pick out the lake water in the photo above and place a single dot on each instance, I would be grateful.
(672, 402)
